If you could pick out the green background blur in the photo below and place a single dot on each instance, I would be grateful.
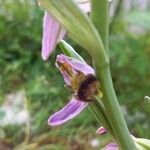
(22, 70)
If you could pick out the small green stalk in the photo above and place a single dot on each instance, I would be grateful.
(99, 16)
(98, 110)
(113, 111)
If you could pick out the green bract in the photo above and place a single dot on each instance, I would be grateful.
(79, 26)
(69, 51)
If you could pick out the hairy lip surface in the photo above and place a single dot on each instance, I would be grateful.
(87, 88)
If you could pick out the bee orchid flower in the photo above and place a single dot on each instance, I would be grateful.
(80, 78)
(111, 146)
(53, 32)
(101, 130)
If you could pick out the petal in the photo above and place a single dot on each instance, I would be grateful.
(111, 146)
(73, 108)
(65, 76)
(100, 131)
(82, 67)
(84, 5)
(61, 34)
(75, 64)
(52, 33)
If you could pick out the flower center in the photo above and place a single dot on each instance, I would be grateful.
(84, 86)
(75, 77)
(88, 88)
(76, 80)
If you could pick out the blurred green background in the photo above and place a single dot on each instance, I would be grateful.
(31, 89)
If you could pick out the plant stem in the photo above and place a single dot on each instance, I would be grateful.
(99, 16)
(97, 109)
(114, 113)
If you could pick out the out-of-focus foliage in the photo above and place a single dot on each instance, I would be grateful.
(130, 61)
(23, 69)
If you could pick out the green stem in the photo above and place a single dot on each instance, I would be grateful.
(113, 110)
(99, 16)
(96, 107)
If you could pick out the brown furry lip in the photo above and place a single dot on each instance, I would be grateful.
(87, 88)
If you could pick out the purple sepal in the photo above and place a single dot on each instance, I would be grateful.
(52, 34)
(74, 65)
(73, 108)
(111, 146)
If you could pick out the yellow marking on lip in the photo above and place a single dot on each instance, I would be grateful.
(75, 78)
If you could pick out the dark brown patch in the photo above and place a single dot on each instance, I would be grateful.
(87, 88)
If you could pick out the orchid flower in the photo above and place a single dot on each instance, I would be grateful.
(53, 32)
(80, 78)
(101, 130)
(111, 146)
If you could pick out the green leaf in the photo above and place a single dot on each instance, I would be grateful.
(69, 51)
(145, 143)
(2, 114)
(79, 26)
(139, 147)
